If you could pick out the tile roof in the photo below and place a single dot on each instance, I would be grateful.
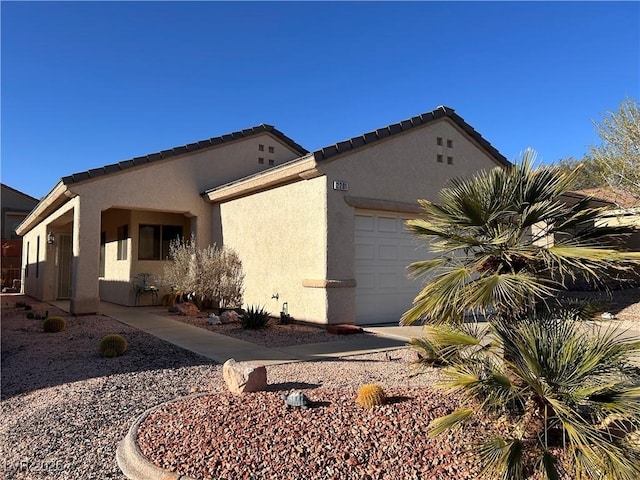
(619, 197)
(191, 147)
(379, 134)
(18, 192)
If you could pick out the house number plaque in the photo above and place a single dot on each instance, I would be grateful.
(341, 186)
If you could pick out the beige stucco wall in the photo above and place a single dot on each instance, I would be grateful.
(34, 258)
(43, 285)
(395, 172)
(149, 192)
(115, 285)
(402, 169)
(174, 185)
(280, 235)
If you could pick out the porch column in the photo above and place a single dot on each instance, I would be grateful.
(85, 296)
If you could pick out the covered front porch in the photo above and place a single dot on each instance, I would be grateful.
(102, 261)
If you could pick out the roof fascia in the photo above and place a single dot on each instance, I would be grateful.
(303, 168)
(49, 202)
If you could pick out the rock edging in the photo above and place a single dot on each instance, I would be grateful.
(131, 460)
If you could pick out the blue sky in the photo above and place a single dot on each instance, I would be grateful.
(85, 84)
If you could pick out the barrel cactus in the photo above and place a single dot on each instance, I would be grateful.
(54, 324)
(370, 395)
(113, 345)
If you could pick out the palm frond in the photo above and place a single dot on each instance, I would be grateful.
(502, 459)
(453, 420)
(547, 466)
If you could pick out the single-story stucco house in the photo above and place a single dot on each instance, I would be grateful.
(322, 231)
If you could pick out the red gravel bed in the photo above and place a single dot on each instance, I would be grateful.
(221, 436)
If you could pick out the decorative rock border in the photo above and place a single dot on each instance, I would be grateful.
(133, 463)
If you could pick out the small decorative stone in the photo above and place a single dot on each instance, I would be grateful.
(608, 315)
(214, 319)
(296, 399)
(243, 377)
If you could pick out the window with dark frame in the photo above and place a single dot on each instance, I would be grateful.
(439, 140)
(272, 150)
(261, 160)
(261, 148)
(271, 162)
(154, 241)
(449, 143)
(439, 158)
(450, 160)
(123, 237)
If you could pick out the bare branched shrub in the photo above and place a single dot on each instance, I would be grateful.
(213, 275)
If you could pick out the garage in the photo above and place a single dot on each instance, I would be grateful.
(383, 250)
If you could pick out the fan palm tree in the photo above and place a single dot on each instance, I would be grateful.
(567, 398)
(504, 241)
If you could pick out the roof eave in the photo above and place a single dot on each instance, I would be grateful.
(304, 168)
(441, 112)
(44, 207)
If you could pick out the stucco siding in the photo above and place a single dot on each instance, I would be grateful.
(402, 169)
(116, 284)
(35, 253)
(175, 185)
(38, 269)
(280, 235)
(405, 167)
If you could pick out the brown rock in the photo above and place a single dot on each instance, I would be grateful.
(186, 309)
(242, 377)
(343, 329)
(229, 316)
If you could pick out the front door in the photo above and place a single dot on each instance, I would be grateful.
(64, 265)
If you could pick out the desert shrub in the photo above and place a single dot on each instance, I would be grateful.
(370, 395)
(113, 345)
(568, 390)
(213, 274)
(254, 317)
(54, 324)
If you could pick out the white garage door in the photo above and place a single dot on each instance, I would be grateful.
(383, 249)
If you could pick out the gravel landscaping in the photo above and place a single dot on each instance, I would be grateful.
(274, 335)
(64, 409)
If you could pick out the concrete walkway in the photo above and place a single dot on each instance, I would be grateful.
(220, 347)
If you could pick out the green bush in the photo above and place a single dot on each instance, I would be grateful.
(54, 324)
(113, 345)
(254, 318)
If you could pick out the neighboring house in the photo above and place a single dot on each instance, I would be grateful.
(321, 231)
(15, 208)
(624, 211)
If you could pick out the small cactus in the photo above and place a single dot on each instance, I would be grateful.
(113, 345)
(54, 324)
(370, 395)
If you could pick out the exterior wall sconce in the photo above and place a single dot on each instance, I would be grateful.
(50, 238)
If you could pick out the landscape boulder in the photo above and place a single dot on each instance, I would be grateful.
(243, 377)
(229, 316)
(185, 309)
